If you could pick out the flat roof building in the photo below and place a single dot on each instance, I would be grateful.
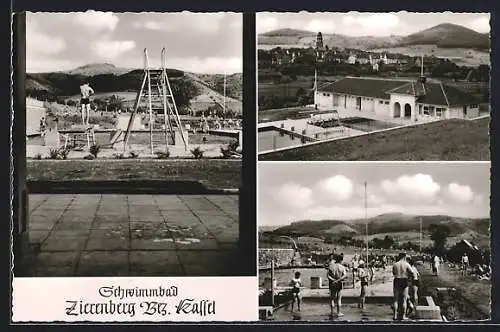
(413, 100)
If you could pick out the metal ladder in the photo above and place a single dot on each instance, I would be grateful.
(159, 91)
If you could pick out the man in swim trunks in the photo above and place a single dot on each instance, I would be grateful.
(85, 92)
(402, 272)
(336, 274)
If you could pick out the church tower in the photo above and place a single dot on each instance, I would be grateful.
(319, 41)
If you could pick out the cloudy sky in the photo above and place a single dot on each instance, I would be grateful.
(369, 24)
(196, 42)
(296, 191)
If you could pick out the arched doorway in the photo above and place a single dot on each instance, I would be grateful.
(407, 111)
(397, 110)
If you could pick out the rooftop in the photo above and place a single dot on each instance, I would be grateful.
(434, 93)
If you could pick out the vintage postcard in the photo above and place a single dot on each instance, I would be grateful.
(373, 86)
(129, 156)
(374, 242)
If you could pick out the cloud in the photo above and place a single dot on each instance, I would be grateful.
(38, 42)
(373, 24)
(209, 65)
(264, 24)
(418, 186)
(294, 195)
(460, 193)
(338, 187)
(206, 23)
(481, 24)
(325, 26)
(111, 49)
(97, 20)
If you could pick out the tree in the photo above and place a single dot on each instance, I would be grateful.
(439, 234)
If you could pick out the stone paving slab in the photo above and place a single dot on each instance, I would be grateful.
(133, 235)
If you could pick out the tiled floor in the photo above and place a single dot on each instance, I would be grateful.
(133, 235)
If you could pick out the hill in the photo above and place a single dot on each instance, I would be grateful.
(448, 35)
(93, 69)
(385, 224)
(201, 89)
(444, 35)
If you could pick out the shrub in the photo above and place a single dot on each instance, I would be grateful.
(53, 154)
(118, 156)
(94, 150)
(228, 151)
(163, 154)
(38, 156)
(133, 155)
(63, 153)
(197, 152)
(89, 157)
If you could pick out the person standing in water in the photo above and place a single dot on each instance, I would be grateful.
(85, 91)
(296, 283)
(336, 275)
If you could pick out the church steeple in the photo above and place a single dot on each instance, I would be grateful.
(422, 78)
(319, 41)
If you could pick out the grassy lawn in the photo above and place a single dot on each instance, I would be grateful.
(446, 140)
(212, 173)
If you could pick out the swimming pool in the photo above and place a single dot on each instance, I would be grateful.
(270, 138)
(358, 123)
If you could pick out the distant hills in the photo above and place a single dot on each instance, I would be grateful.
(444, 35)
(448, 35)
(93, 69)
(383, 224)
(106, 78)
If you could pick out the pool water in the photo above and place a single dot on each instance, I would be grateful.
(358, 123)
(272, 139)
(318, 309)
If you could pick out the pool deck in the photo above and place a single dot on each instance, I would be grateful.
(132, 235)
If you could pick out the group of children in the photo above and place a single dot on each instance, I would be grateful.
(337, 273)
(405, 295)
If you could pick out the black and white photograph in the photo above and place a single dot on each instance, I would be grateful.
(387, 86)
(374, 241)
(133, 144)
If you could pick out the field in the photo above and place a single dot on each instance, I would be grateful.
(213, 173)
(402, 237)
(283, 89)
(451, 140)
(456, 55)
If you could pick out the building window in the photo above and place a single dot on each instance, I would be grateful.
(324, 94)
(473, 106)
(420, 109)
(387, 103)
(426, 108)
(380, 101)
(440, 111)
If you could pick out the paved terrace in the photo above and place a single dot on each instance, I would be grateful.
(133, 235)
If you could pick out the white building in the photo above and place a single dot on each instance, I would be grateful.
(352, 59)
(396, 99)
